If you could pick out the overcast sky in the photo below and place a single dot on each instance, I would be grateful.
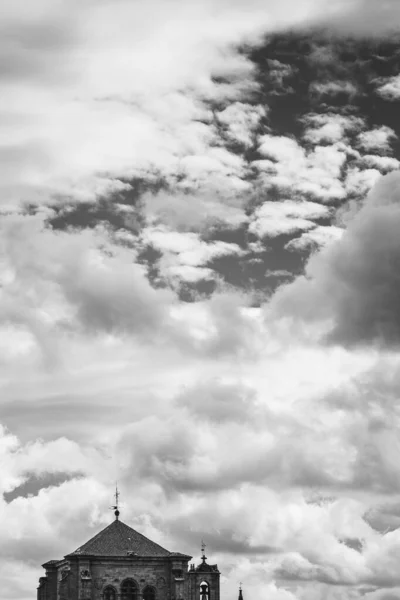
(200, 287)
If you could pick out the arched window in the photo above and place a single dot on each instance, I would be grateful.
(109, 593)
(149, 593)
(129, 590)
(204, 591)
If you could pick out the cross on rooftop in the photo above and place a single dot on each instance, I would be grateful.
(116, 495)
(203, 550)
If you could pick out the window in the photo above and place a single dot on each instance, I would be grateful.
(149, 593)
(109, 593)
(129, 590)
(204, 591)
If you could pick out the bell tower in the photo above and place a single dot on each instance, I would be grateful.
(203, 580)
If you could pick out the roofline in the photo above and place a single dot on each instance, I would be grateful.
(52, 563)
(87, 549)
(74, 555)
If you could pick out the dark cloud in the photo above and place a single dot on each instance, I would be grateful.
(327, 72)
(35, 483)
(299, 74)
(356, 280)
(384, 518)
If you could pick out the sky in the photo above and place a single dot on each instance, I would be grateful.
(199, 287)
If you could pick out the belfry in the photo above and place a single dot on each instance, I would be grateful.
(119, 563)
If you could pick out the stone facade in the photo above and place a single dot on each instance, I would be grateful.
(121, 564)
(203, 582)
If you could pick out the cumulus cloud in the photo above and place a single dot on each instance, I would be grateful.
(91, 105)
(139, 152)
(354, 281)
(184, 254)
(99, 291)
(241, 120)
(333, 88)
(390, 89)
(376, 139)
(290, 167)
(329, 127)
(383, 163)
(278, 74)
(360, 181)
(318, 237)
(279, 218)
(188, 211)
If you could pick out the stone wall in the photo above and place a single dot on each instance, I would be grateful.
(195, 578)
(82, 578)
(156, 574)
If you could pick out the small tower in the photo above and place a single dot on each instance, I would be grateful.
(240, 592)
(203, 580)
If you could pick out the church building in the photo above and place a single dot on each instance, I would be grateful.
(120, 563)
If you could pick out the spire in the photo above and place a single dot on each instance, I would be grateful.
(203, 551)
(240, 592)
(116, 511)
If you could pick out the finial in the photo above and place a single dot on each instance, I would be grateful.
(116, 511)
(203, 551)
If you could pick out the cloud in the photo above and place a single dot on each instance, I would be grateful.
(329, 127)
(290, 167)
(82, 105)
(332, 88)
(68, 284)
(145, 130)
(82, 123)
(390, 90)
(280, 218)
(278, 74)
(377, 139)
(316, 238)
(178, 452)
(39, 458)
(190, 210)
(185, 255)
(366, 17)
(15, 587)
(241, 121)
(383, 163)
(360, 181)
(354, 281)
(84, 285)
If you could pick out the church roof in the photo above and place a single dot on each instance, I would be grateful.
(118, 539)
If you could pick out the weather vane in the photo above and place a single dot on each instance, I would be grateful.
(115, 508)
